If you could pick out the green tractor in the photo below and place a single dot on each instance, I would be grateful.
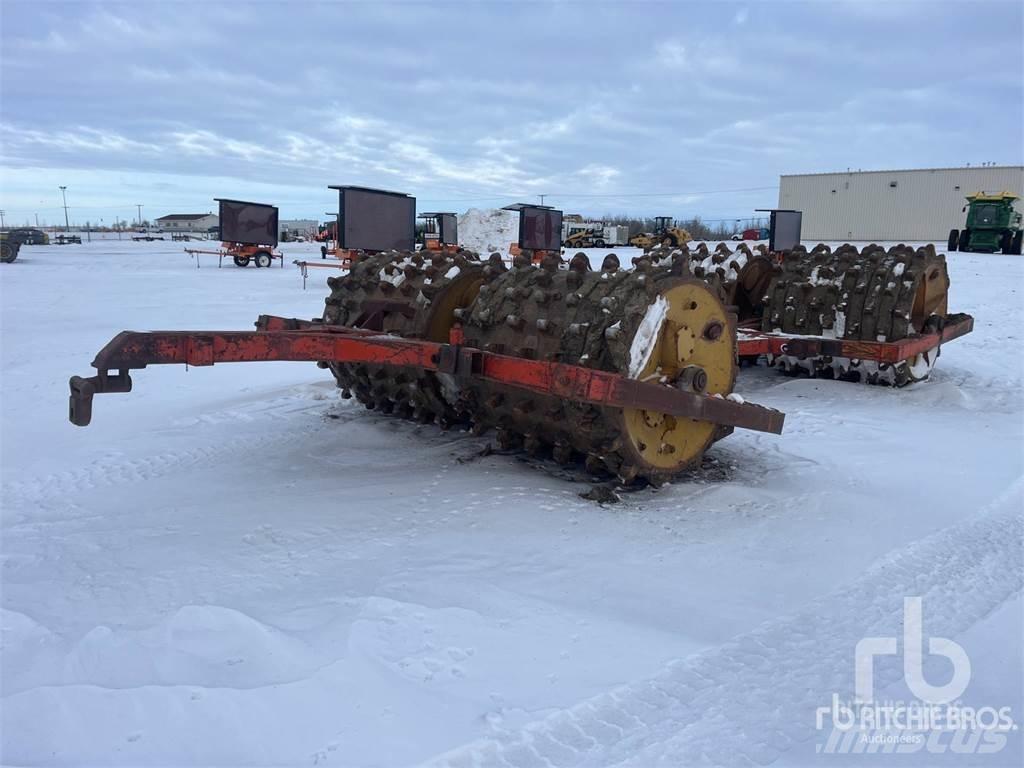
(992, 225)
(10, 244)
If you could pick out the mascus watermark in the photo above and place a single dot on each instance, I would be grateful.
(935, 721)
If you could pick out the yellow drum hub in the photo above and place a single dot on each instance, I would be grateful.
(696, 333)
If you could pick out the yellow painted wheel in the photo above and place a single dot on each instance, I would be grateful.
(695, 349)
(931, 297)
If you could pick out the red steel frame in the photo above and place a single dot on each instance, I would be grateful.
(289, 339)
(278, 338)
(752, 343)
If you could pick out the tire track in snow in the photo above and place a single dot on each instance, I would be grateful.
(114, 470)
(754, 698)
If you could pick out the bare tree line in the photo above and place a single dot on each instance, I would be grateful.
(697, 227)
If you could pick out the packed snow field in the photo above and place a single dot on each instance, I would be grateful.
(234, 566)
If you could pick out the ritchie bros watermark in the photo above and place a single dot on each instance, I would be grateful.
(933, 720)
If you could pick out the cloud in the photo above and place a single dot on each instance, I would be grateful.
(226, 98)
(672, 54)
(54, 42)
(80, 139)
(599, 176)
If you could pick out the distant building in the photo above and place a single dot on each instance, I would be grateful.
(297, 227)
(908, 205)
(187, 222)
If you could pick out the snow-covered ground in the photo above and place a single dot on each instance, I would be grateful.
(233, 566)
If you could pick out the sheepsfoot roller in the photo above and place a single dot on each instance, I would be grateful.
(630, 372)
(874, 315)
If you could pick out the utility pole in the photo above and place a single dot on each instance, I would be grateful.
(1, 219)
(37, 221)
(64, 197)
(139, 206)
(542, 198)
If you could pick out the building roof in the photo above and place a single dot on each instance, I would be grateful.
(910, 170)
(185, 216)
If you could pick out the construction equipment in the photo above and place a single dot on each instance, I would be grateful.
(666, 233)
(540, 232)
(874, 315)
(630, 371)
(29, 236)
(9, 247)
(440, 231)
(593, 234)
(581, 238)
(248, 232)
(367, 221)
(372, 220)
(992, 225)
(328, 230)
(328, 235)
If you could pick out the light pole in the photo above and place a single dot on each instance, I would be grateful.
(1, 219)
(139, 206)
(37, 221)
(64, 197)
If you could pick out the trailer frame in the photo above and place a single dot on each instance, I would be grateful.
(279, 338)
(752, 343)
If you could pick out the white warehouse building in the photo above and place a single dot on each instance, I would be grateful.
(918, 205)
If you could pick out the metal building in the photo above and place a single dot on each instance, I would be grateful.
(909, 205)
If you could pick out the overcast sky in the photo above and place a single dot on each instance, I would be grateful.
(682, 108)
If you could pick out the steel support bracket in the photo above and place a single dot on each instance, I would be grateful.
(458, 361)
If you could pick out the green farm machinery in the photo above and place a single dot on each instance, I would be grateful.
(992, 225)
(10, 244)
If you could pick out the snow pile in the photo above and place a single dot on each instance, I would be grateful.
(488, 230)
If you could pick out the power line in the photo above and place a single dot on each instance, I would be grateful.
(663, 194)
(599, 195)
